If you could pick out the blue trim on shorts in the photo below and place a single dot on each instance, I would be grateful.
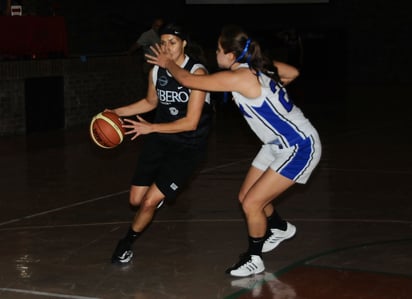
(299, 160)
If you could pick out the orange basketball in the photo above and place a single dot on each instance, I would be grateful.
(106, 129)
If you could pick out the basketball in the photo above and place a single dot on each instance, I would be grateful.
(106, 130)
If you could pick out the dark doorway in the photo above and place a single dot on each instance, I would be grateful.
(44, 104)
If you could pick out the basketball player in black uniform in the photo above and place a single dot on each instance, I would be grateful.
(177, 137)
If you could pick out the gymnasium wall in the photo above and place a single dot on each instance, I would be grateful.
(89, 85)
(356, 48)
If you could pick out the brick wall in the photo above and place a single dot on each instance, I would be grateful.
(90, 85)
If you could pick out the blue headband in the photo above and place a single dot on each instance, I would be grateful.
(244, 51)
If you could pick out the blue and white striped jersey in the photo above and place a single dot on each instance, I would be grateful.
(273, 116)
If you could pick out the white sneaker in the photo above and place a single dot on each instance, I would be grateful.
(278, 236)
(250, 265)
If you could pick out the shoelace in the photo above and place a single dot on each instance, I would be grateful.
(244, 259)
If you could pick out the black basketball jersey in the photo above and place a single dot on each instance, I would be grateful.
(173, 102)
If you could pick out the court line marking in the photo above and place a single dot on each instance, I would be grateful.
(223, 165)
(53, 295)
(102, 197)
(211, 220)
(365, 170)
(123, 192)
(306, 261)
(63, 207)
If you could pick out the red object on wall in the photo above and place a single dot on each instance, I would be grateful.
(33, 36)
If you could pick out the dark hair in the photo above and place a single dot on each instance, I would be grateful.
(174, 29)
(194, 50)
(247, 50)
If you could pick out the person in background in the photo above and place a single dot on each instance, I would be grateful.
(145, 40)
(294, 46)
(291, 147)
(176, 140)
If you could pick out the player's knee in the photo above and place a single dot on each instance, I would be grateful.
(249, 206)
(241, 197)
(134, 200)
(149, 204)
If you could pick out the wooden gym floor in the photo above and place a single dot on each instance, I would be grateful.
(64, 205)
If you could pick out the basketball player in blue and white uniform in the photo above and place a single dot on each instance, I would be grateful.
(291, 148)
(177, 138)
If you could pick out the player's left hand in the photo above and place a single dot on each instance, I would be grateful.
(160, 56)
(140, 127)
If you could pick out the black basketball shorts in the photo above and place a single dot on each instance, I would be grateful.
(169, 165)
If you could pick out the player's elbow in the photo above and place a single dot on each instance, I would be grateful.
(191, 125)
(291, 76)
(296, 73)
(292, 73)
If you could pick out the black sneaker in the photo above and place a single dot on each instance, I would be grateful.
(123, 253)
